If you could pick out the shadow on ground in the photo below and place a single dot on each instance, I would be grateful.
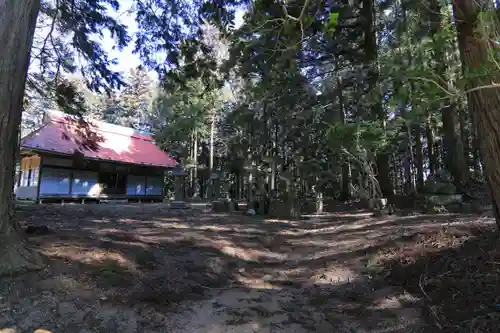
(456, 273)
(150, 269)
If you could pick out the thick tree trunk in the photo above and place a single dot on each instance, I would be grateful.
(454, 158)
(409, 177)
(17, 26)
(409, 186)
(483, 95)
(383, 175)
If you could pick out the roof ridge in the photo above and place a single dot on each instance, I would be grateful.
(33, 132)
(58, 137)
(61, 117)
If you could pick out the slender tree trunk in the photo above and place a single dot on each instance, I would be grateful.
(431, 142)
(17, 26)
(454, 160)
(346, 179)
(250, 196)
(191, 168)
(465, 136)
(483, 95)
(239, 185)
(419, 160)
(409, 162)
(438, 150)
(274, 166)
(410, 157)
(440, 154)
(370, 39)
(395, 172)
(319, 197)
(476, 156)
(272, 180)
(196, 187)
(409, 183)
(212, 134)
(402, 178)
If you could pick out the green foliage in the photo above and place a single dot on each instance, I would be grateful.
(67, 30)
(184, 111)
(331, 24)
(298, 86)
(132, 106)
(363, 134)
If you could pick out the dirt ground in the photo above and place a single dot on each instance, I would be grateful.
(146, 268)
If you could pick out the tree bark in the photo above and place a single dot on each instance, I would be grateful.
(439, 151)
(419, 161)
(409, 163)
(483, 95)
(465, 135)
(17, 26)
(476, 156)
(346, 167)
(370, 41)
(454, 157)
(196, 185)
(431, 143)
(409, 186)
(212, 134)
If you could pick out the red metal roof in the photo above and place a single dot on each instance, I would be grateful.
(64, 134)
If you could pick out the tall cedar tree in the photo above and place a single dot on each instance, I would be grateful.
(17, 27)
(479, 54)
(18, 19)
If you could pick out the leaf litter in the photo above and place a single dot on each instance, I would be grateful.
(146, 268)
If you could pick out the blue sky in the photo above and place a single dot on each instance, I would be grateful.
(126, 58)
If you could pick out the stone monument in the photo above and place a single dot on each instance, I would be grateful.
(179, 177)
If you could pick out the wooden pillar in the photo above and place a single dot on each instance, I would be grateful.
(71, 177)
(40, 170)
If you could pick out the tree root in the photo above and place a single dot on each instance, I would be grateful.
(16, 257)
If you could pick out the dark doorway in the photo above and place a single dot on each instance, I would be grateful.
(114, 184)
